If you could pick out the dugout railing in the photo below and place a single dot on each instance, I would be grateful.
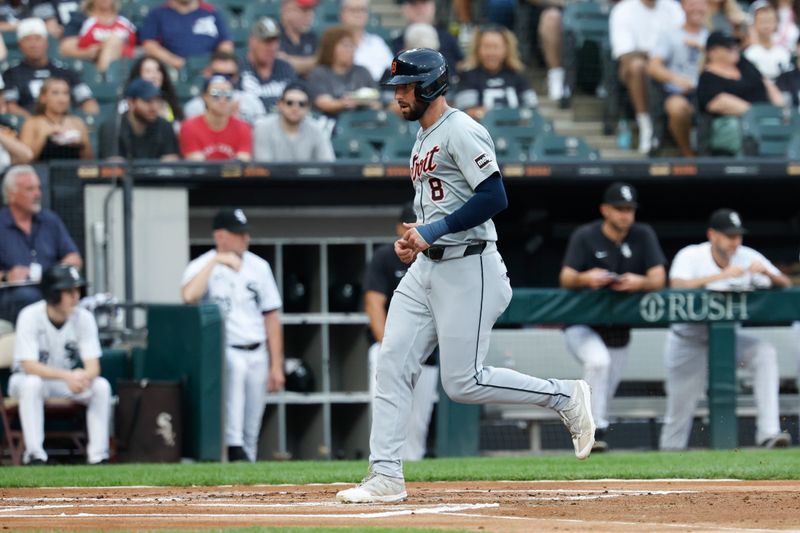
(720, 311)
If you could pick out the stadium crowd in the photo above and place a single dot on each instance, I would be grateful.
(683, 72)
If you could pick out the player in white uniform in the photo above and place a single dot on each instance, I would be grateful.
(721, 264)
(243, 286)
(456, 287)
(57, 355)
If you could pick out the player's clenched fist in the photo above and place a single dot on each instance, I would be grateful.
(413, 238)
(404, 251)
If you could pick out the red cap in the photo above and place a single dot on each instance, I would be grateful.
(305, 4)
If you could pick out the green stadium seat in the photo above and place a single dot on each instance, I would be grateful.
(12, 120)
(509, 150)
(105, 92)
(584, 29)
(793, 149)
(10, 39)
(767, 130)
(376, 126)
(326, 15)
(558, 147)
(522, 125)
(398, 148)
(354, 149)
(257, 9)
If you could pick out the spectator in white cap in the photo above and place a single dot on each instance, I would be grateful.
(23, 81)
(264, 75)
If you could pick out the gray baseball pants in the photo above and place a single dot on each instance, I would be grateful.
(453, 302)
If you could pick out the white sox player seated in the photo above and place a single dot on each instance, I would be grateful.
(456, 287)
(57, 355)
(722, 264)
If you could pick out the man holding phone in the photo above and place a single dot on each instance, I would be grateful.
(620, 254)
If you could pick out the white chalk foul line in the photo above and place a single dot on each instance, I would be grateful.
(621, 492)
(383, 514)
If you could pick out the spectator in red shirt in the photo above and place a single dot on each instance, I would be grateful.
(98, 33)
(217, 134)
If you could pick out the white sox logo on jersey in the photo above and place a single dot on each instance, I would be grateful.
(425, 165)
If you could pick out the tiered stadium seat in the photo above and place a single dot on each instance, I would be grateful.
(509, 151)
(584, 29)
(793, 150)
(326, 15)
(11, 120)
(767, 130)
(375, 126)
(256, 9)
(354, 149)
(557, 147)
(521, 126)
(398, 148)
(136, 10)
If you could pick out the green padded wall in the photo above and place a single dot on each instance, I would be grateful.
(185, 343)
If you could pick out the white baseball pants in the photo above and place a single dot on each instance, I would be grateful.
(453, 303)
(424, 397)
(245, 394)
(602, 367)
(32, 391)
(686, 363)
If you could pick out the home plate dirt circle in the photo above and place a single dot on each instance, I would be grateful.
(604, 505)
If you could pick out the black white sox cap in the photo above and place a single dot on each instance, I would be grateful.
(621, 195)
(233, 220)
(726, 221)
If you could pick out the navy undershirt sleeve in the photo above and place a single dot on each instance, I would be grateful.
(488, 200)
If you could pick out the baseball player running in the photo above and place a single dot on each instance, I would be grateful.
(456, 287)
(721, 264)
(242, 284)
(383, 275)
(57, 355)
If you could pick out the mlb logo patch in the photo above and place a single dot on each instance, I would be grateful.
(483, 160)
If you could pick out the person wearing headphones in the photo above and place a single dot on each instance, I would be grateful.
(57, 355)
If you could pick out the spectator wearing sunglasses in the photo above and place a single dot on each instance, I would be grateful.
(291, 135)
(217, 134)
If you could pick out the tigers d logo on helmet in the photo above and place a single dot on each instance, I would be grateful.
(394, 67)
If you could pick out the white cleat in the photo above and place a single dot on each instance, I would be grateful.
(577, 416)
(375, 488)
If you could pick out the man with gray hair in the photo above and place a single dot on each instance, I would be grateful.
(424, 12)
(32, 239)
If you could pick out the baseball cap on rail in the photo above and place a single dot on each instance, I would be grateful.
(726, 221)
(233, 220)
(621, 194)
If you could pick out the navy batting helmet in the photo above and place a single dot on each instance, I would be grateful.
(58, 278)
(425, 67)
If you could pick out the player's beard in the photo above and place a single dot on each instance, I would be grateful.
(416, 110)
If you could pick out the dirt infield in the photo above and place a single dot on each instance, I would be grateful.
(612, 505)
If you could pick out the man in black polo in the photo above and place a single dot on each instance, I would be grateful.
(139, 133)
(298, 41)
(622, 255)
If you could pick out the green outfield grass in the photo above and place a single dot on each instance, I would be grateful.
(741, 464)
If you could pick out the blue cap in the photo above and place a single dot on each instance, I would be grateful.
(142, 89)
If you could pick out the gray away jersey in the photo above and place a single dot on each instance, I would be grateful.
(452, 157)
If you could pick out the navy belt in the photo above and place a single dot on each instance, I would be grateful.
(436, 253)
(246, 347)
